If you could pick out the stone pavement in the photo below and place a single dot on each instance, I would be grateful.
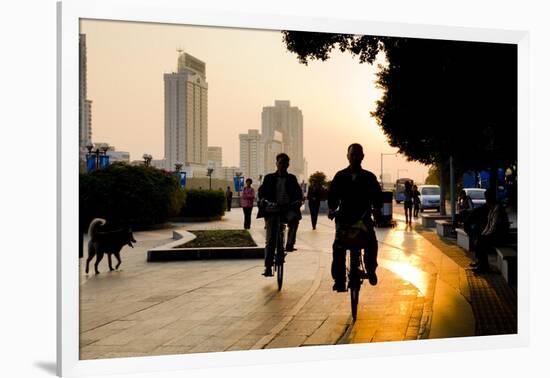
(161, 308)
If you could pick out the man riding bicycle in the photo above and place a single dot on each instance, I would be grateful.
(279, 190)
(354, 196)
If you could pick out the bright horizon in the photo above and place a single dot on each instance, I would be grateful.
(246, 70)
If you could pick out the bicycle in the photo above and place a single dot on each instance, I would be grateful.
(279, 255)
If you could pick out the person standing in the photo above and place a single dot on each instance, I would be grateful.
(408, 202)
(354, 196)
(416, 201)
(279, 190)
(314, 194)
(229, 198)
(247, 202)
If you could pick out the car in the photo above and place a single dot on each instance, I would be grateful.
(477, 195)
(429, 197)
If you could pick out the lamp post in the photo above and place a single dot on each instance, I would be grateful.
(382, 166)
(96, 155)
(209, 174)
(147, 159)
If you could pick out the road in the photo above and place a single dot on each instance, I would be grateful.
(147, 309)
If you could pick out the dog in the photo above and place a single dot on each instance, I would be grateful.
(109, 242)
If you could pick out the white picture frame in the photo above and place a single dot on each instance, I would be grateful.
(175, 12)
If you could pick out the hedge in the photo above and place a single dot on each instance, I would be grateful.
(135, 196)
(204, 203)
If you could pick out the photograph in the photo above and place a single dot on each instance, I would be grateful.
(245, 189)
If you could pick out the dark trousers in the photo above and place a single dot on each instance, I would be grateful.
(314, 211)
(416, 208)
(484, 244)
(247, 217)
(292, 230)
(272, 223)
(229, 204)
(338, 268)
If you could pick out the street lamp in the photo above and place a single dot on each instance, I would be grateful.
(209, 174)
(93, 158)
(147, 159)
(401, 170)
(382, 166)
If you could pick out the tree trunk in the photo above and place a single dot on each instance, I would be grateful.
(453, 189)
(442, 187)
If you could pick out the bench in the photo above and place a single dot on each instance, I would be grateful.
(463, 240)
(428, 220)
(507, 263)
(444, 228)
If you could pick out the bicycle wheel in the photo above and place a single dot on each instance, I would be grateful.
(280, 257)
(354, 282)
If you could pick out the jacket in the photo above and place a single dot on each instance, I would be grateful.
(268, 190)
(354, 199)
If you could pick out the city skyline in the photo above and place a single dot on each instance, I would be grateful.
(247, 70)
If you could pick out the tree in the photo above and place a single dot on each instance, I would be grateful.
(441, 98)
(319, 178)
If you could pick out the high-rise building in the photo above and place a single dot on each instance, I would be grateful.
(84, 105)
(215, 161)
(282, 131)
(252, 154)
(185, 114)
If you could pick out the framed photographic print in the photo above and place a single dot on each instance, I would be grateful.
(269, 188)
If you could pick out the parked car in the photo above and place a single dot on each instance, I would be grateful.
(429, 197)
(477, 195)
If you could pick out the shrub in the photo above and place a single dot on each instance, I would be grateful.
(136, 196)
(204, 203)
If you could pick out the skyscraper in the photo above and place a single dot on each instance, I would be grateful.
(282, 131)
(84, 105)
(252, 154)
(185, 114)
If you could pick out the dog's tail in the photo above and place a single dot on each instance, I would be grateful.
(93, 226)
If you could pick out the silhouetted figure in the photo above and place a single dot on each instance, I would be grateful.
(408, 201)
(281, 193)
(229, 198)
(494, 233)
(247, 202)
(354, 195)
(314, 195)
(464, 207)
(416, 201)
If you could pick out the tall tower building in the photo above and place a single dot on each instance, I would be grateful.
(282, 131)
(186, 114)
(84, 105)
(252, 154)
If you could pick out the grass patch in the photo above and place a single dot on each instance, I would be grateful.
(220, 238)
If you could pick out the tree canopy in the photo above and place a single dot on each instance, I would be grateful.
(441, 98)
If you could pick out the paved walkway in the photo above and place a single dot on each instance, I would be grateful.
(208, 306)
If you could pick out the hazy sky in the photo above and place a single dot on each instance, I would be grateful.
(245, 70)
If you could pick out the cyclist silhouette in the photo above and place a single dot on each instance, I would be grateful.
(354, 196)
(279, 189)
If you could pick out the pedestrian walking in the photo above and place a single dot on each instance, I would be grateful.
(314, 194)
(416, 201)
(229, 198)
(408, 202)
(247, 202)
